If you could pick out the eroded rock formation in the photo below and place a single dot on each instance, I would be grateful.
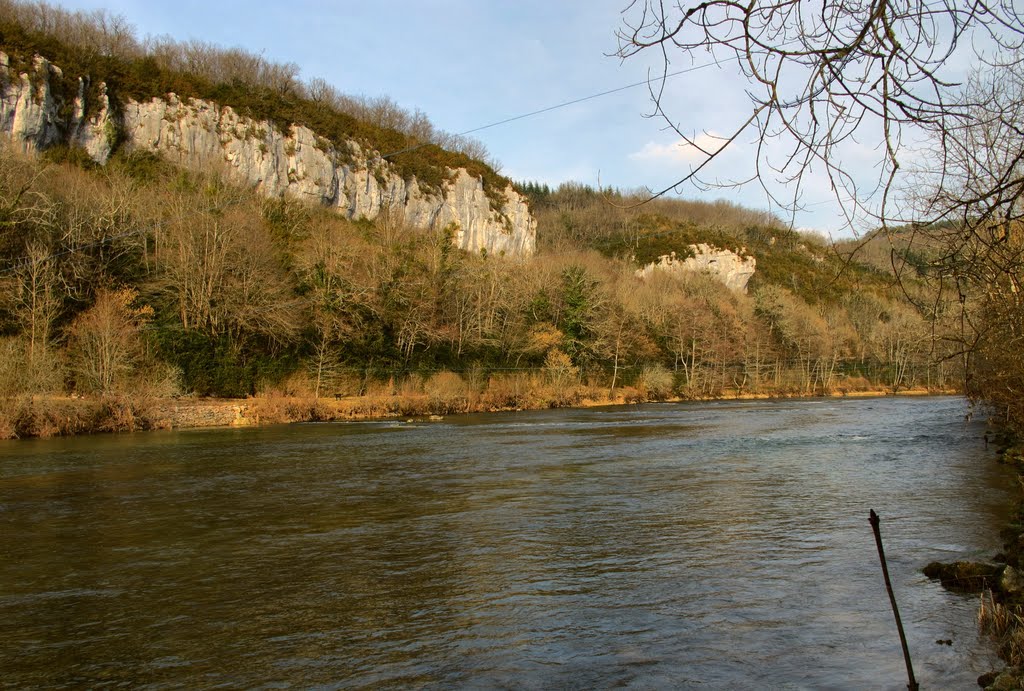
(298, 163)
(731, 268)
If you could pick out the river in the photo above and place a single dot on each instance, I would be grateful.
(658, 546)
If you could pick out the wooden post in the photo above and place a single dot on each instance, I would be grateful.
(912, 685)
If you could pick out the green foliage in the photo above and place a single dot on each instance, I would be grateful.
(141, 165)
(72, 155)
(656, 236)
(217, 366)
(815, 274)
(578, 296)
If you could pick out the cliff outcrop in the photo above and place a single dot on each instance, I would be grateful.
(734, 269)
(297, 163)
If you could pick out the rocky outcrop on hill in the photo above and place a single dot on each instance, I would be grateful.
(298, 163)
(731, 268)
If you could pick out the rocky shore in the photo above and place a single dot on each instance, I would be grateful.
(1000, 584)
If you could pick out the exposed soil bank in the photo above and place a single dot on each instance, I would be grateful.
(47, 416)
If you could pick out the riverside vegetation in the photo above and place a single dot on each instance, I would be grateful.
(136, 283)
(140, 282)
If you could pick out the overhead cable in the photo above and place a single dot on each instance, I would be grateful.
(557, 106)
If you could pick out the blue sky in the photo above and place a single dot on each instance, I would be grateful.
(467, 63)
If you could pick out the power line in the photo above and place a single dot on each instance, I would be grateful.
(557, 106)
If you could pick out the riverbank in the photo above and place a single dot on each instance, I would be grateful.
(1001, 612)
(50, 416)
(999, 582)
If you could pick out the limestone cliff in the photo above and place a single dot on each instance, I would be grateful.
(298, 163)
(731, 268)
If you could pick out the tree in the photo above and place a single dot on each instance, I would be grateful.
(996, 373)
(107, 340)
(561, 371)
(802, 334)
(580, 305)
(620, 333)
(329, 274)
(939, 84)
(222, 272)
(38, 298)
(821, 75)
(898, 341)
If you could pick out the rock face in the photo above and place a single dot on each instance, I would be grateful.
(298, 164)
(731, 268)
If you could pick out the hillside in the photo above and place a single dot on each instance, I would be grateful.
(167, 271)
(276, 137)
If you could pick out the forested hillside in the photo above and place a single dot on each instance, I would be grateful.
(142, 280)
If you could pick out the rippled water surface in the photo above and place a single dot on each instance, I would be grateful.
(676, 545)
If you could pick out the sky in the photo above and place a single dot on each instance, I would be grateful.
(468, 63)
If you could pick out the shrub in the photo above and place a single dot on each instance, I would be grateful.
(447, 393)
(42, 373)
(8, 418)
(655, 382)
(507, 391)
(159, 380)
(106, 340)
(560, 371)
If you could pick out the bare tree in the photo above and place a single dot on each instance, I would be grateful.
(898, 341)
(38, 298)
(938, 85)
(821, 75)
(107, 340)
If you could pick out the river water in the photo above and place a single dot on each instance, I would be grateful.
(659, 546)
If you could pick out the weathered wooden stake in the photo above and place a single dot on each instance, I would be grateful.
(912, 685)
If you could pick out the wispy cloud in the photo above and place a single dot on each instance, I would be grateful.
(680, 151)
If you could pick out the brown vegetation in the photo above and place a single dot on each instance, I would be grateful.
(140, 282)
(146, 281)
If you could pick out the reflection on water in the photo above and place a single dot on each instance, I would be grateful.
(722, 544)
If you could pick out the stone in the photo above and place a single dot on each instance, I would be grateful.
(1011, 581)
(1007, 680)
(986, 679)
(297, 164)
(965, 576)
(733, 269)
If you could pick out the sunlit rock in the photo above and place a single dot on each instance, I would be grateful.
(734, 269)
(297, 164)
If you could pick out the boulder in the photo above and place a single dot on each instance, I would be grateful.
(1007, 680)
(965, 576)
(1011, 581)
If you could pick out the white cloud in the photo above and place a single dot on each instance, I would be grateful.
(681, 151)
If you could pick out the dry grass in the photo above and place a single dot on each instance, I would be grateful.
(509, 391)
(48, 416)
(1005, 625)
(447, 393)
(443, 393)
